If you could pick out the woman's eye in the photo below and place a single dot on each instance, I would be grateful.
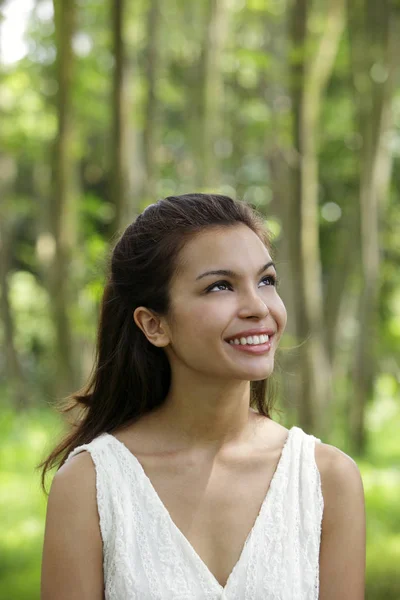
(271, 278)
(218, 284)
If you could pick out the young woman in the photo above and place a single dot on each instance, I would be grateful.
(177, 483)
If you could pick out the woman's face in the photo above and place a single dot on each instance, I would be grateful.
(209, 309)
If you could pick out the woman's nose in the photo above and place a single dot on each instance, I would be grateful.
(254, 306)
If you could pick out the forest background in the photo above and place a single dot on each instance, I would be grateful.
(290, 105)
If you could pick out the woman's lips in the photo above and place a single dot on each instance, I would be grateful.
(253, 348)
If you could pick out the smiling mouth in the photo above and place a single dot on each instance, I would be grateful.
(251, 341)
(254, 349)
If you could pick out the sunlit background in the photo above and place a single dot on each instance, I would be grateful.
(13, 45)
(292, 106)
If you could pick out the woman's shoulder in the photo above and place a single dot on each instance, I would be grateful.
(341, 481)
(339, 473)
(77, 473)
(76, 478)
(334, 465)
(343, 531)
(72, 532)
(73, 490)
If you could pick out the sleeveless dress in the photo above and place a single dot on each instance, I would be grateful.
(147, 557)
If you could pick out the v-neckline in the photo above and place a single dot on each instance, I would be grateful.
(264, 505)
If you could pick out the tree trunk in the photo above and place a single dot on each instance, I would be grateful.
(212, 92)
(373, 28)
(238, 137)
(309, 81)
(120, 120)
(63, 206)
(150, 133)
(15, 376)
(278, 151)
(340, 279)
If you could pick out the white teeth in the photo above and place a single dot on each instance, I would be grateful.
(250, 340)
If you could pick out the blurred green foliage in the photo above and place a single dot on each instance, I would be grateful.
(256, 107)
(22, 503)
(27, 436)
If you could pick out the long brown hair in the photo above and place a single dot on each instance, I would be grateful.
(131, 376)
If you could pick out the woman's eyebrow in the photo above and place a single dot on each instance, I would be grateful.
(229, 273)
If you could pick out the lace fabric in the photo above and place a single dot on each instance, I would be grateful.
(146, 556)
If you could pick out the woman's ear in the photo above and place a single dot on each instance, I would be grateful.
(152, 326)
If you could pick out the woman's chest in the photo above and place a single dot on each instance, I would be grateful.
(213, 507)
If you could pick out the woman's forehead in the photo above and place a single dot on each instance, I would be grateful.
(236, 248)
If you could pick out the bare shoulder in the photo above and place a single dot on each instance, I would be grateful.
(72, 550)
(339, 472)
(77, 470)
(343, 535)
(74, 490)
(74, 485)
(332, 461)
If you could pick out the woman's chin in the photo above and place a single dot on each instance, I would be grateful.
(258, 374)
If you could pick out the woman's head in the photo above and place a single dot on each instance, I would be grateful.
(158, 309)
(156, 271)
(223, 287)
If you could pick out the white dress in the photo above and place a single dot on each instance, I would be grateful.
(146, 556)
